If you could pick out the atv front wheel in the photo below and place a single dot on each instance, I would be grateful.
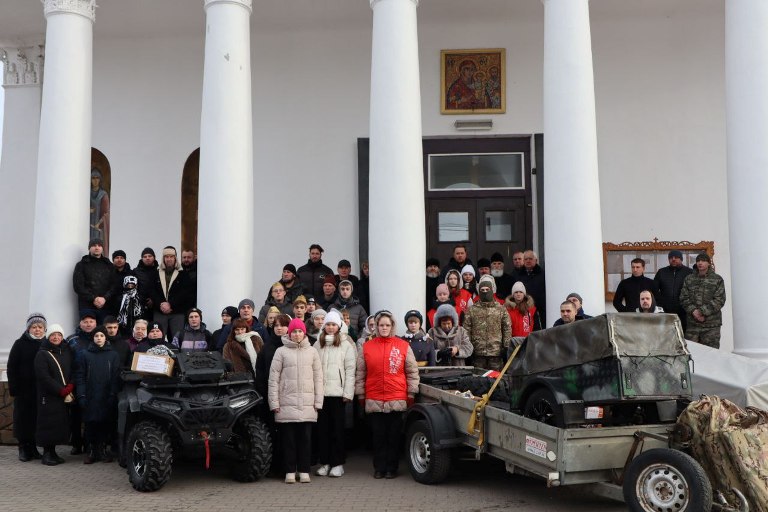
(253, 448)
(149, 456)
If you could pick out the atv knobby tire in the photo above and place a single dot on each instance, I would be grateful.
(479, 385)
(149, 456)
(253, 450)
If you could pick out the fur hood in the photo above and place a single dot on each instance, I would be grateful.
(446, 310)
(509, 303)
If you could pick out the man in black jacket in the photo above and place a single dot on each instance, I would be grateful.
(146, 273)
(173, 293)
(532, 276)
(627, 296)
(312, 275)
(669, 281)
(93, 281)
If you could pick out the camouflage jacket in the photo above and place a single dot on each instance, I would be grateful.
(489, 328)
(707, 294)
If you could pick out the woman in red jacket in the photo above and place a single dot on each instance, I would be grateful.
(522, 311)
(461, 297)
(386, 382)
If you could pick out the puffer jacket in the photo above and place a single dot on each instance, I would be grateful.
(295, 382)
(97, 382)
(339, 365)
(523, 324)
(357, 314)
(489, 328)
(387, 374)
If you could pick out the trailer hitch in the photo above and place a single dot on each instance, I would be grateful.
(724, 506)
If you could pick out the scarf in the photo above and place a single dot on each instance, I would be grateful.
(130, 308)
(245, 339)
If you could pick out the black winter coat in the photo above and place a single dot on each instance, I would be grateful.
(669, 281)
(23, 387)
(535, 286)
(312, 276)
(52, 412)
(627, 296)
(97, 380)
(146, 277)
(180, 294)
(93, 277)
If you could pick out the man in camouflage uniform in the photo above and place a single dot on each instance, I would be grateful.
(489, 327)
(702, 297)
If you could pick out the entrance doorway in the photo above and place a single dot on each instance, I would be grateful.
(478, 192)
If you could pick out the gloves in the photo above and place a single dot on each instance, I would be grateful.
(444, 356)
(66, 390)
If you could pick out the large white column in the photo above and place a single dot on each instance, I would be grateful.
(572, 223)
(396, 234)
(226, 197)
(63, 162)
(746, 88)
(18, 175)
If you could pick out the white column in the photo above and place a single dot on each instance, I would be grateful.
(226, 197)
(746, 91)
(63, 162)
(18, 175)
(396, 234)
(572, 223)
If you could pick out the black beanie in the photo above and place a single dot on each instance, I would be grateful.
(147, 250)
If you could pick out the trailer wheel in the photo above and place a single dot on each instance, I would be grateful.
(427, 465)
(149, 456)
(542, 406)
(253, 449)
(665, 479)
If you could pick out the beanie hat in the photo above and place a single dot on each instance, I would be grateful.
(147, 250)
(519, 287)
(575, 296)
(346, 282)
(468, 269)
(231, 311)
(483, 262)
(290, 267)
(297, 324)
(497, 257)
(246, 302)
(310, 299)
(55, 328)
(318, 312)
(36, 318)
(674, 253)
(333, 318)
(130, 280)
(95, 241)
(152, 326)
(703, 257)
(442, 287)
(433, 261)
(101, 329)
(298, 300)
(413, 313)
(193, 310)
(117, 253)
(330, 279)
(487, 280)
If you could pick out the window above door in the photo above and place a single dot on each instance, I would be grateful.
(480, 171)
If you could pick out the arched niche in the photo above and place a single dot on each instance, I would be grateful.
(100, 195)
(190, 179)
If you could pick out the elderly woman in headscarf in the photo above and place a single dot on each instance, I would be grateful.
(23, 387)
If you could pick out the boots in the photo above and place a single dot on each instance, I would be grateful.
(49, 456)
(106, 454)
(24, 455)
(93, 455)
(56, 455)
(32, 450)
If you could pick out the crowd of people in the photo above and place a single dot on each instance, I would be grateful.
(311, 348)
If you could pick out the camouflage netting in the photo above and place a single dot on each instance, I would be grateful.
(609, 335)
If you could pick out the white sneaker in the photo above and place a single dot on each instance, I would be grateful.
(304, 478)
(323, 470)
(337, 470)
(290, 478)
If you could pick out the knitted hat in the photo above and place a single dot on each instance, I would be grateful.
(36, 318)
(55, 328)
(703, 257)
(483, 263)
(147, 250)
(194, 310)
(117, 253)
(231, 311)
(674, 253)
(297, 324)
(130, 280)
(433, 261)
(414, 313)
(152, 326)
(246, 302)
(95, 241)
(487, 280)
(290, 267)
(468, 269)
(519, 287)
(346, 282)
(575, 296)
(101, 329)
(333, 318)
(497, 257)
(318, 312)
(330, 279)
(442, 288)
(310, 299)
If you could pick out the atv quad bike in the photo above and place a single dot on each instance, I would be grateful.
(200, 411)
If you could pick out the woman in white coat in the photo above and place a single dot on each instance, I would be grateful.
(295, 395)
(338, 359)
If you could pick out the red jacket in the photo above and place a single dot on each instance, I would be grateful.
(385, 369)
(463, 299)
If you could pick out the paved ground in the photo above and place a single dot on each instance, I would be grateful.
(472, 486)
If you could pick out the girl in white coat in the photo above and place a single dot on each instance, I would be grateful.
(338, 360)
(295, 395)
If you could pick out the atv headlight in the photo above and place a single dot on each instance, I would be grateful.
(240, 402)
(171, 407)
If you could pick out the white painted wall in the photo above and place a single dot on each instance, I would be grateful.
(660, 112)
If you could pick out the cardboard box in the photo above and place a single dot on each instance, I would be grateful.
(151, 364)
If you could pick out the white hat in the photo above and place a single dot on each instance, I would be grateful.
(468, 269)
(55, 328)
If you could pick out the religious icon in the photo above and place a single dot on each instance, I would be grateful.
(99, 209)
(473, 81)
